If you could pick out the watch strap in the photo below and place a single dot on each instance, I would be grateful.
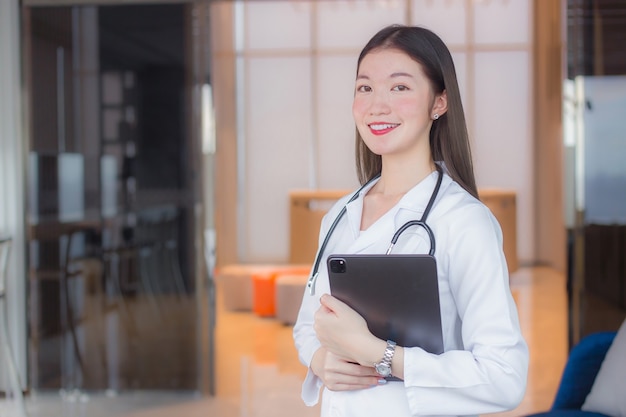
(389, 352)
(390, 349)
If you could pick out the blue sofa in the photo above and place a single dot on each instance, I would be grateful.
(580, 372)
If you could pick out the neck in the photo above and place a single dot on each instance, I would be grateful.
(396, 179)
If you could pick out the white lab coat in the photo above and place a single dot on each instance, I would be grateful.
(484, 366)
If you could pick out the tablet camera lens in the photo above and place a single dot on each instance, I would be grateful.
(338, 266)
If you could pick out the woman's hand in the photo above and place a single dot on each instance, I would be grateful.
(342, 331)
(346, 340)
(338, 374)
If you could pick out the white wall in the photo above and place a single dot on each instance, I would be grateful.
(298, 62)
(12, 179)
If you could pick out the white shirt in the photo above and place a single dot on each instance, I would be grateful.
(485, 363)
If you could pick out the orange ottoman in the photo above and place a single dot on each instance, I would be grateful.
(234, 284)
(263, 294)
(264, 287)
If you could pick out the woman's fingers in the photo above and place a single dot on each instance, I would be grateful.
(340, 329)
(341, 375)
(331, 303)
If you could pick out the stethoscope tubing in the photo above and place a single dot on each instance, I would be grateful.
(422, 223)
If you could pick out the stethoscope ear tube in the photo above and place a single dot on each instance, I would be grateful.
(422, 222)
(408, 224)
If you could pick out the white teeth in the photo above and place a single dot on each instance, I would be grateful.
(383, 127)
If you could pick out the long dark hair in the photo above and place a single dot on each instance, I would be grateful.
(449, 140)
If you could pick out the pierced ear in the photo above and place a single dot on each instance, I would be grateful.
(440, 106)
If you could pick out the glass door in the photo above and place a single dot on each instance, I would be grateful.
(118, 279)
(595, 102)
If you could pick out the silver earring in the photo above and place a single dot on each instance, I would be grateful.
(435, 116)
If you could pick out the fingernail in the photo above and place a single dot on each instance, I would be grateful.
(382, 381)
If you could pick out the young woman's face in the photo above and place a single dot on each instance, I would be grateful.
(393, 103)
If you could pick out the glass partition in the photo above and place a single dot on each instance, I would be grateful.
(117, 278)
(594, 105)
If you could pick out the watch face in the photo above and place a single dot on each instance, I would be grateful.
(383, 369)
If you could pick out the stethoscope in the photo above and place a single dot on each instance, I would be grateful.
(421, 222)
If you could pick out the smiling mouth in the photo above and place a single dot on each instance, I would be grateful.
(382, 128)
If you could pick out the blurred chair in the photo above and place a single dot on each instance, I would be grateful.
(14, 388)
(580, 372)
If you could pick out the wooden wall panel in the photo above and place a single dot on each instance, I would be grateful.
(550, 233)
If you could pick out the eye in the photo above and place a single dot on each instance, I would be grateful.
(363, 88)
(400, 87)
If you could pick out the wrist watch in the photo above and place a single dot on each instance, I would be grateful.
(383, 368)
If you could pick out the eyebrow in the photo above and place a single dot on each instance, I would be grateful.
(393, 75)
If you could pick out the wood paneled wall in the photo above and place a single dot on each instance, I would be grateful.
(225, 174)
(550, 233)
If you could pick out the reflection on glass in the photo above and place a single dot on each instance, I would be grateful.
(113, 277)
(596, 97)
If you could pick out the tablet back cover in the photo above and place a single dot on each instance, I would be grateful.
(397, 294)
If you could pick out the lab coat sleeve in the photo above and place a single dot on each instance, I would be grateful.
(307, 344)
(488, 373)
(303, 332)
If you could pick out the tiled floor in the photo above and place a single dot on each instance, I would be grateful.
(258, 374)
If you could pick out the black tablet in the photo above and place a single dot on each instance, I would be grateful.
(398, 295)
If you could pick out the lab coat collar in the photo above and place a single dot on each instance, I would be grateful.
(417, 198)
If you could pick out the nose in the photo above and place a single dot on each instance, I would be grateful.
(379, 103)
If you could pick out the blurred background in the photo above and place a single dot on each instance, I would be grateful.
(147, 145)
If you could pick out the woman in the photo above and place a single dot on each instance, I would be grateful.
(410, 125)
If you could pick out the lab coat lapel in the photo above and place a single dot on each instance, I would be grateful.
(414, 202)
